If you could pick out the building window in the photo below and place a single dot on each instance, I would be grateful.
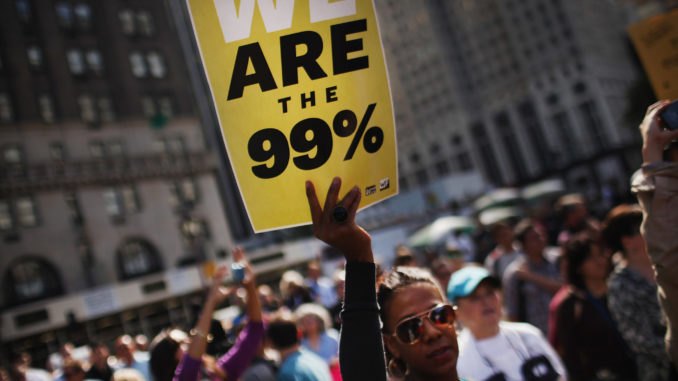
(183, 192)
(156, 65)
(76, 62)
(95, 62)
(26, 212)
(64, 15)
(57, 151)
(112, 203)
(510, 140)
(116, 148)
(12, 154)
(6, 111)
(126, 17)
(88, 112)
(46, 106)
(6, 219)
(83, 16)
(442, 168)
(464, 161)
(96, 149)
(593, 124)
(165, 106)
(138, 257)
(130, 199)
(73, 207)
(145, 23)
(422, 177)
(176, 145)
(567, 149)
(23, 10)
(106, 113)
(34, 54)
(121, 201)
(138, 65)
(530, 120)
(148, 105)
(487, 156)
(31, 279)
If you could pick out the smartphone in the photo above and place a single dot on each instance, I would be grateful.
(237, 272)
(669, 116)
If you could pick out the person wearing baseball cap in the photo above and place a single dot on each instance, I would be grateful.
(492, 349)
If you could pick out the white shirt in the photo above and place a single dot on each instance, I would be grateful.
(505, 352)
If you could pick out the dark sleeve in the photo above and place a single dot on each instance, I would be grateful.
(238, 358)
(361, 349)
(566, 337)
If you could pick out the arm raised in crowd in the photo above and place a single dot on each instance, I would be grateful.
(231, 365)
(361, 348)
(656, 185)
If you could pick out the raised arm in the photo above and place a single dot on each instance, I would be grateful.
(189, 366)
(657, 188)
(238, 358)
(361, 349)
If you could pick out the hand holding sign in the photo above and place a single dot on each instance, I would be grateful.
(264, 70)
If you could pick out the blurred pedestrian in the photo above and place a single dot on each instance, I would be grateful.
(632, 288)
(321, 287)
(128, 356)
(575, 217)
(318, 337)
(504, 253)
(656, 185)
(99, 368)
(492, 349)
(586, 335)
(293, 289)
(531, 280)
(297, 363)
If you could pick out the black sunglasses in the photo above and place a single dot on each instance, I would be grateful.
(409, 331)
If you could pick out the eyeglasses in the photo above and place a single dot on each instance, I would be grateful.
(409, 331)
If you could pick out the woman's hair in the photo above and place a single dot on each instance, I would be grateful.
(316, 311)
(622, 221)
(577, 250)
(163, 350)
(401, 277)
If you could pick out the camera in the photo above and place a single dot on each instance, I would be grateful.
(669, 116)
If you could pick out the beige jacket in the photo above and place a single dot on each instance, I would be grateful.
(656, 186)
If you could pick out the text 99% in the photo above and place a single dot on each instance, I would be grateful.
(310, 134)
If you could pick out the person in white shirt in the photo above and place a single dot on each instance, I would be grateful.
(491, 349)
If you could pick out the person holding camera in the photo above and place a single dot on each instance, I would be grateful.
(656, 185)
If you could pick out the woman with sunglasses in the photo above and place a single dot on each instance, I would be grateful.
(418, 325)
(492, 349)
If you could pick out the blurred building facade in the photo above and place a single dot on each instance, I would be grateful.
(518, 90)
(109, 192)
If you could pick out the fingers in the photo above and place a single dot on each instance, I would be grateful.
(313, 203)
(351, 202)
(238, 254)
(219, 273)
(332, 195)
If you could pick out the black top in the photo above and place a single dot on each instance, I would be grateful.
(361, 349)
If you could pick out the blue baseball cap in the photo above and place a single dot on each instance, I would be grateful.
(465, 280)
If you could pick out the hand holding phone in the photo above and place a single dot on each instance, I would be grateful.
(669, 116)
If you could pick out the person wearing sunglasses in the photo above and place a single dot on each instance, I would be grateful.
(492, 349)
(418, 324)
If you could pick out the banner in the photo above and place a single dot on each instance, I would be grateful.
(301, 92)
(656, 41)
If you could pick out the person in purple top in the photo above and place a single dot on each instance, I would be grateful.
(231, 365)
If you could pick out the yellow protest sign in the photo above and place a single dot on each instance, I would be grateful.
(656, 41)
(301, 92)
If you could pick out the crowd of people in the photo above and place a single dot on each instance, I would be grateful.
(556, 297)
